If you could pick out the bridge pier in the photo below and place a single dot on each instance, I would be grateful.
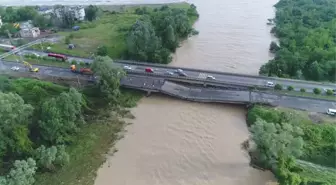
(148, 93)
(204, 84)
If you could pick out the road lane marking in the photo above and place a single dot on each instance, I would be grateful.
(202, 75)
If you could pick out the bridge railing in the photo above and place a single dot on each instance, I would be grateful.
(219, 72)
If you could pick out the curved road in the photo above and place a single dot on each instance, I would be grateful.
(229, 78)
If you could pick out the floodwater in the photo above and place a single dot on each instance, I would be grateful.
(173, 142)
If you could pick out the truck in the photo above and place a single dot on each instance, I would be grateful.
(84, 71)
(58, 56)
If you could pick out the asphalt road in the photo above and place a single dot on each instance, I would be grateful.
(204, 94)
(234, 79)
(197, 93)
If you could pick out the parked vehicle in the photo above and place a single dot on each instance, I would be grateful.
(209, 77)
(127, 68)
(149, 70)
(7, 47)
(331, 112)
(182, 74)
(169, 73)
(59, 56)
(270, 84)
(76, 28)
(84, 71)
(15, 68)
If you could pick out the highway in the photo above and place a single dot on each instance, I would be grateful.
(186, 92)
(202, 74)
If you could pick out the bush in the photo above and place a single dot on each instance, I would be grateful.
(302, 90)
(102, 51)
(278, 87)
(67, 40)
(74, 62)
(290, 88)
(317, 91)
(329, 92)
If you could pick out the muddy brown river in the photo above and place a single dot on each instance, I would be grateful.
(173, 142)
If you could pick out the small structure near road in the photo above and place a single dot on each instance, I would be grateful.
(27, 30)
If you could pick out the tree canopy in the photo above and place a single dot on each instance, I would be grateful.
(158, 33)
(306, 31)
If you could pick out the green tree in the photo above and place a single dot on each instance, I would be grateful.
(22, 173)
(317, 91)
(273, 140)
(274, 47)
(61, 116)
(329, 92)
(91, 12)
(45, 157)
(41, 21)
(15, 117)
(62, 157)
(26, 13)
(290, 88)
(302, 90)
(278, 87)
(109, 77)
(102, 51)
(49, 158)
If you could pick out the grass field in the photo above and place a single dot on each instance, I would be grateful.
(109, 30)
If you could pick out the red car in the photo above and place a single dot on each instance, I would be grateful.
(149, 70)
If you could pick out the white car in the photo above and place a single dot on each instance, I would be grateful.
(127, 67)
(270, 84)
(209, 77)
(15, 68)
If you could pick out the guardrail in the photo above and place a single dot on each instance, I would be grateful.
(218, 72)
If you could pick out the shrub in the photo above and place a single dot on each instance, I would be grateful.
(278, 87)
(74, 62)
(329, 92)
(302, 90)
(290, 88)
(317, 91)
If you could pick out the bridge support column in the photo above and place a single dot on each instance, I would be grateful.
(204, 84)
(148, 93)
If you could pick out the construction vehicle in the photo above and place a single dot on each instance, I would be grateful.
(84, 71)
(26, 64)
(30, 67)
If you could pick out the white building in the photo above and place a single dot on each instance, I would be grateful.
(30, 32)
(77, 11)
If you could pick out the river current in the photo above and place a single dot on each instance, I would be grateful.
(174, 142)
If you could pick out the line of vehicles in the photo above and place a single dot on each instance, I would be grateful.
(178, 72)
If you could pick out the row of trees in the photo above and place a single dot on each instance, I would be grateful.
(158, 33)
(282, 139)
(306, 31)
(316, 91)
(39, 119)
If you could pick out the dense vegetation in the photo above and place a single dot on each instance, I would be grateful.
(295, 148)
(40, 120)
(12, 15)
(158, 33)
(306, 31)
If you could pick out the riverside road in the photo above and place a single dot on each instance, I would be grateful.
(186, 92)
(201, 74)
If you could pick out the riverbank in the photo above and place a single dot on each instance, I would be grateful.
(293, 144)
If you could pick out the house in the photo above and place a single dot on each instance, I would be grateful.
(30, 32)
(77, 11)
